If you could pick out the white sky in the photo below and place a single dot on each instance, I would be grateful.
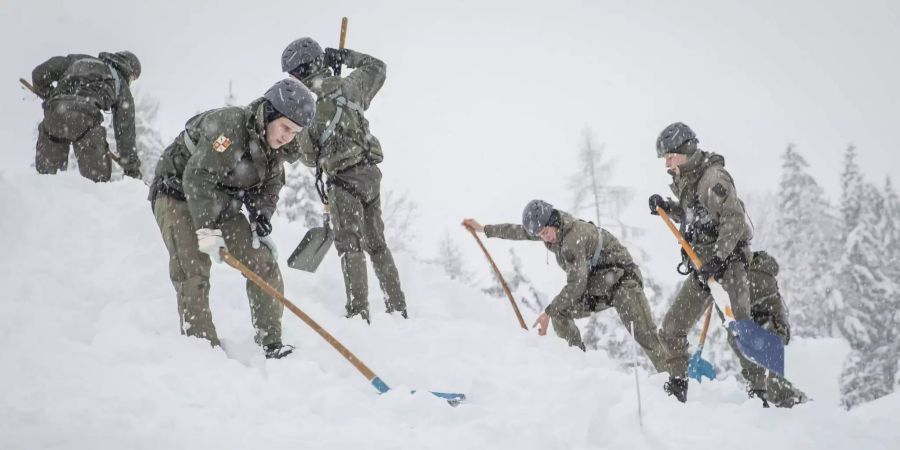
(485, 101)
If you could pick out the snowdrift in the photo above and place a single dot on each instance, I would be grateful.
(91, 357)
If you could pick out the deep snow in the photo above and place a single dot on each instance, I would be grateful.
(91, 357)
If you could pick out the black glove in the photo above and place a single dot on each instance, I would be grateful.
(334, 57)
(714, 268)
(262, 225)
(134, 173)
(657, 200)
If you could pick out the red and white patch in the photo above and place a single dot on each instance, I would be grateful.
(221, 144)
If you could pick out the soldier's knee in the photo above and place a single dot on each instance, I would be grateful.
(347, 242)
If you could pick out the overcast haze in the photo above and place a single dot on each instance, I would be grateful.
(485, 101)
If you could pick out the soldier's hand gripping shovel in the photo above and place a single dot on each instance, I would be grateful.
(697, 366)
(313, 247)
(757, 344)
(452, 398)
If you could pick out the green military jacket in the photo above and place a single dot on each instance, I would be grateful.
(220, 162)
(711, 215)
(339, 137)
(101, 82)
(577, 243)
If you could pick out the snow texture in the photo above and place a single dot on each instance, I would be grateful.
(91, 357)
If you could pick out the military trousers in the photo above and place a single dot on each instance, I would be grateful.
(690, 303)
(73, 121)
(189, 272)
(630, 303)
(358, 228)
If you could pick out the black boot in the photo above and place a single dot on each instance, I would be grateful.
(677, 386)
(278, 351)
(364, 314)
(760, 394)
(390, 309)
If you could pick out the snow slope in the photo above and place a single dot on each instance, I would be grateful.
(90, 357)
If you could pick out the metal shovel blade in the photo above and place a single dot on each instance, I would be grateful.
(312, 249)
(759, 345)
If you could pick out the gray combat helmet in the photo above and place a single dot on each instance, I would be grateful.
(293, 100)
(536, 216)
(133, 63)
(302, 51)
(676, 138)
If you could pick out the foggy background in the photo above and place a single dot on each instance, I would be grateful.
(485, 102)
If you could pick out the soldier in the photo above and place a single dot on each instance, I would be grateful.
(600, 274)
(85, 87)
(715, 223)
(339, 143)
(226, 159)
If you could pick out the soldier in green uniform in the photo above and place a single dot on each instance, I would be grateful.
(76, 89)
(339, 144)
(600, 274)
(227, 159)
(713, 220)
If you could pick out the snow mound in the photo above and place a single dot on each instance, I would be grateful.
(91, 357)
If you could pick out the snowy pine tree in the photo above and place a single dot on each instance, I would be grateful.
(601, 201)
(149, 143)
(865, 292)
(450, 259)
(298, 200)
(804, 238)
(521, 287)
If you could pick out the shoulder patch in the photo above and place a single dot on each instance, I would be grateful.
(720, 190)
(221, 143)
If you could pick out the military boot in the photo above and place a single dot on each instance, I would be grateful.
(678, 387)
(760, 394)
(278, 350)
(353, 265)
(389, 280)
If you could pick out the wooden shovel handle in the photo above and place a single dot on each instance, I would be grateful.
(503, 284)
(252, 276)
(343, 33)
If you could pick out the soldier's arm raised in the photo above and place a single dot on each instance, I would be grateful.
(509, 231)
(366, 79)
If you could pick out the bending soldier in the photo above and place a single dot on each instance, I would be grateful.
(338, 143)
(226, 159)
(600, 274)
(76, 89)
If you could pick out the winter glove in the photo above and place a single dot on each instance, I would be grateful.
(334, 57)
(714, 268)
(267, 241)
(261, 225)
(657, 200)
(209, 242)
(134, 173)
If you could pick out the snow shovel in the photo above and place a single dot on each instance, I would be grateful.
(313, 247)
(757, 344)
(697, 366)
(452, 398)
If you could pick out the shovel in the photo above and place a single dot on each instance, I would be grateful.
(313, 247)
(697, 366)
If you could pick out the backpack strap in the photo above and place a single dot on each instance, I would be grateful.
(598, 252)
(340, 102)
(117, 80)
(188, 142)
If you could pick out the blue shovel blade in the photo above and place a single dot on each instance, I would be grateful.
(452, 398)
(699, 368)
(759, 345)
